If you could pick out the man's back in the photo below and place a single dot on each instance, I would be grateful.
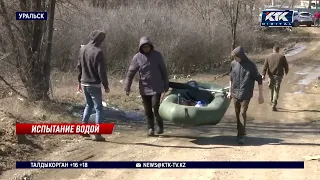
(243, 77)
(276, 64)
(91, 63)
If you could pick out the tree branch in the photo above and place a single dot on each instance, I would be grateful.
(12, 88)
(14, 43)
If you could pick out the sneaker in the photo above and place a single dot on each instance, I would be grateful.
(160, 131)
(97, 137)
(150, 132)
(274, 109)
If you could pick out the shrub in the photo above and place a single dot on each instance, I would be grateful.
(188, 41)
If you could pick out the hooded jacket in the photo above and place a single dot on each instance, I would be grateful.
(153, 75)
(91, 63)
(243, 76)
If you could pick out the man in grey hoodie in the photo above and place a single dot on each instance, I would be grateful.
(153, 81)
(92, 73)
(243, 74)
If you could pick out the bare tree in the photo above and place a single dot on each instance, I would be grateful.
(230, 10)
(293, 3)
(31, 43)
(309, 6)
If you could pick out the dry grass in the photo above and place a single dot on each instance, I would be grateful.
(65, 86)
(23, 147)
(180, 32)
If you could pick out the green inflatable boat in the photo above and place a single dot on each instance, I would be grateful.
(215, 97)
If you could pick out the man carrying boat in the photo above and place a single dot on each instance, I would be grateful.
(153, 81)
(243, 74)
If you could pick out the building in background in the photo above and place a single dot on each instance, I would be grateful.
(305, 4)
(287, 4)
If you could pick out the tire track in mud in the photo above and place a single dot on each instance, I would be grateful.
(282, 152)
(170, 153)
(140, 151)
(112, 152)
(182, 154)
(143, 152)
(291, 101)
(158, 155)
(287, 152)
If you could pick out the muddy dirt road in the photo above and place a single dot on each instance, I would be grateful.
(289, 134)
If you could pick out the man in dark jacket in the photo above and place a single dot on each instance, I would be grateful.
(243, 74)
(92, 73)
(276, 66)
(153, 81)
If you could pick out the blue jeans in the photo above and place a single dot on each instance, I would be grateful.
(93, 98)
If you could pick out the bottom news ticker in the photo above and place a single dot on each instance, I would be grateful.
(160, 164)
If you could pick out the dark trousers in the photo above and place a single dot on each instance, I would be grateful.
(241, 107)
(151, 106)
(274, 86)
(316, 22)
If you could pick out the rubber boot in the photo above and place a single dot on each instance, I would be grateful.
(150, 127)
(274, 108)
(160, 125)
(160, 129)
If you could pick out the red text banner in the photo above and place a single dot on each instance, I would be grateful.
(64, 128)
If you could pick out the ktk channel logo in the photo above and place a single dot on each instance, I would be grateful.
(277, 18)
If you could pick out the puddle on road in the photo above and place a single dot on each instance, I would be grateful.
(113, 113)
(304, 71)
(295, 50)
(310, 75)
(306, 75)
(300, 91)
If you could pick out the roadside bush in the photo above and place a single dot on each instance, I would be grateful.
(187, 42)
